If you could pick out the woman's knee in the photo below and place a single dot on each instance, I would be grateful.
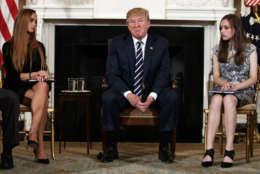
(41, 86)
(216, 101)
(230, 101)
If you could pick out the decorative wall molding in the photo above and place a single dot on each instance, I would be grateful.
(194, 3)
(62, 3)
(197, 14)
(117, 9)
(201, 3)
(163, 9)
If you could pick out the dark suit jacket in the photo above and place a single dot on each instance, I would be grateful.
(121, 64)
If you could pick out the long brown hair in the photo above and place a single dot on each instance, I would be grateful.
(239, 41)
(24, 42)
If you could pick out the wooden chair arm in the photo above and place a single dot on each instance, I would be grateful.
(104, 85)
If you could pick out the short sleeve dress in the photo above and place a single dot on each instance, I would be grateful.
(12, 80)
(238, 73)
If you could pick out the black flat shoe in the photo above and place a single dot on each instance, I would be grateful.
(209, 152)
(43, 161)
(6, 161)
(229, 154)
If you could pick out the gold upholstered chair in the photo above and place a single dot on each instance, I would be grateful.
(251, 134)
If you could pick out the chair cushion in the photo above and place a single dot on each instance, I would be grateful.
(133, 112)
(248, 107)
(24, 108)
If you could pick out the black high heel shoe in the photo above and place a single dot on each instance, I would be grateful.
(39, 160)
(32, 143)
(43, 161)
(230, 154)
(209, 152)
(35, 153)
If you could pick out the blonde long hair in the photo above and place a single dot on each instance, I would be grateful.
(24, 42)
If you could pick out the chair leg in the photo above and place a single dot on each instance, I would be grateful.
(248, 138)
(253, 118)
(52, 136)
(205, 132)
(221, 128)
(256, 132)
(221, 144)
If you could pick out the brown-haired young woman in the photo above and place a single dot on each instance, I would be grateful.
(235, 69)
(24, 59)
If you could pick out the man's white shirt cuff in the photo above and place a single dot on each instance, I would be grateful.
(154, 95)
(126, 93)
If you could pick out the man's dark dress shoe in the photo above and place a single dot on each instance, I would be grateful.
(6, 161)
(109, 155)
(43, 161)
(165, 156)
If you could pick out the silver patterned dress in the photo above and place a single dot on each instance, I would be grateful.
(235, 74)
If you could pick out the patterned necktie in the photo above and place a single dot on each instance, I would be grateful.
(138, 79)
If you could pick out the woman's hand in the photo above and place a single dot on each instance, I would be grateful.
(41, 75)
(226, 86)
(235, 87)
(44, 74)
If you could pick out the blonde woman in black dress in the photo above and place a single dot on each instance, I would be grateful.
(24, 59)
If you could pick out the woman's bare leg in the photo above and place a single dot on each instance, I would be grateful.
(213, 122)
(39, 103)
(230, 114)
(41, 153)
(33, 130)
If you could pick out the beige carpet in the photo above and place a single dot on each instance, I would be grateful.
(134, 158)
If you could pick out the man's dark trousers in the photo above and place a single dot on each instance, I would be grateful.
(114, 102)
(9, 105)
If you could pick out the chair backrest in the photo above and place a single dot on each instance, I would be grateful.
(257, 85)
(256, 92)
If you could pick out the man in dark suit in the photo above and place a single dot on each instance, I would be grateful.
(138, 74)
(9, 105)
